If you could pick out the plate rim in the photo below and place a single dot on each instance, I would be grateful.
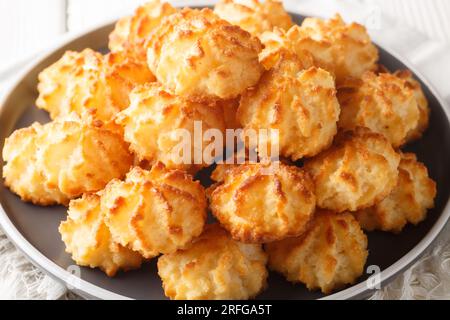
(89, 290)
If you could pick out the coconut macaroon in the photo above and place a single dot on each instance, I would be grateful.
(155, 121)
(90, 84)
(254, 16)
(358, 171)
(118, 38)
(123, 74)
(88, 240)
(259, 203)
(345, 50)
(153, 212)
(383, 103)
(300, 103)
(407, 203)
(53, 163)
(330, 255)
(214, 267)
(196, 54)
(230, 108)
(422, 103)
(132, 33)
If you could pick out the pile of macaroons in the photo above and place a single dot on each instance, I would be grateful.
(342, 122)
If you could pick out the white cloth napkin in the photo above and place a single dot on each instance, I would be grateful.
(429, 278)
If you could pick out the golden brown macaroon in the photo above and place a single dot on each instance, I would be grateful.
(383, 103)
(196, 54)
(88, 240)
(154, 119)
(132, 33)
(230, 108)
(359, 170)
(259, 203)
(90, 84)
(214, 267)
(422, 103)
(22, 174)
(119, 36)
(345, 50)
(153, 212)
(407, 203)
(300, 103)
(275, 44)
(53, 163)
(330, 255)
(123, 74)
(221, 171)
(254, 16)
(230, 161)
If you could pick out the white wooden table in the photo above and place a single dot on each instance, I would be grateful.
(30, 25)
(27, 26)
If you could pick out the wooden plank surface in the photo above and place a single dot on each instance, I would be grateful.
(431, 17)
(27, 26)
(85, 13)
